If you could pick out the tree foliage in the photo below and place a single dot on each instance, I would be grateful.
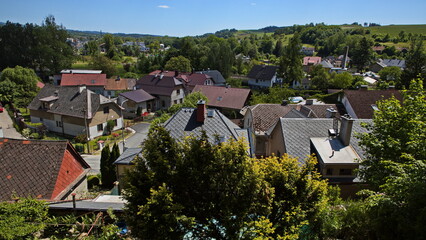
(362, 54)
(290, 64)
(103, 63)
(391, 75)
(180, 63)
(19, 85)
(43, 48)
(194, 188)
(341, 80)
(415, 62)
(22, 219)
(396, 165)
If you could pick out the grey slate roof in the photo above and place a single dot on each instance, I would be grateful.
(298, 131)
(394, 63)
(127, 156)
(326, 64)
(262, 72)
(184, 123)
(216, 75)
(137, 96)
(70, 101)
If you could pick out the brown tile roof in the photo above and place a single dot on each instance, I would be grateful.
(137, 96)
(75, 79)
(223, 97)
(116, 84)
(31, 168)
(361, 100)
(266, 116)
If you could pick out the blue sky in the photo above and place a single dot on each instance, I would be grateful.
(196, 17)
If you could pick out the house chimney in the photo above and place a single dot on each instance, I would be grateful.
(56, 93)
(284, 103)
(330, 113)
(176, 73)
(346, 129)
(201, 111)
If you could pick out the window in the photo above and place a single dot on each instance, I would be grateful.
(115, 123)
(59, 124)
(178, 92)
(106, 109)
(93, 81)
(41, 119)
(163, 103)
(329, 171)
(345, 171)
(175, 101)
(100, 127)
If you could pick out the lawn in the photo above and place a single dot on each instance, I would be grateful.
(394, 30)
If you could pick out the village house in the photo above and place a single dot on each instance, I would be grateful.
(125, 162)
(48, 170)
(308, 51)
(164, 86)
(74, 111)
(262, 76)
(382, 63)
(138, 99)
(226, 99)
(190, 121)
(94, 81)
(216, 76)
(261, 118)
(116, 85)
(336, 149)
(361, 104)
(309, 62)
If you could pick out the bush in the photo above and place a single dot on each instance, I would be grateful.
(81, 138)
(35, 136)
(93, 180)
(115, 135)
(34, 125)
(110, 126)
(79, 147)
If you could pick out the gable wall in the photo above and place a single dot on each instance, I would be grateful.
(70, 170)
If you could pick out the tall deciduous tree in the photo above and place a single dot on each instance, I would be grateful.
(341, 80)
(415, 62)
(290, 64)
(391, 75)
(320, 77)
(22, 82)
(180, 63)
(103, 63)
(396, 165)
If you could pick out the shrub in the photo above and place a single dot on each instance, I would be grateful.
(35, 136)
(79, 147)
(81, 138)
(110, 125)
(115, 134)
(93, 180)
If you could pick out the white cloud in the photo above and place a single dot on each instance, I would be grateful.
(164, 6)
(253, 4)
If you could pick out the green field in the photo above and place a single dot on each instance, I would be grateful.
(394, 30)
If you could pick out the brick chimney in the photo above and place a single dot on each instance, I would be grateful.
(201, 111)
(346, 129)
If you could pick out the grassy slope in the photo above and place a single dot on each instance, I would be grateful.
(393, 30)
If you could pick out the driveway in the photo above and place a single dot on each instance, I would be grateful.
(7, 125)
(134, 141)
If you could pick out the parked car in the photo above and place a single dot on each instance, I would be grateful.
(1, 108)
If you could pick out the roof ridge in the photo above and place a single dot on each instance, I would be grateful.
(227, 126)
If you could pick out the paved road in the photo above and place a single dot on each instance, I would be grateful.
(7, 126)
(141, 132)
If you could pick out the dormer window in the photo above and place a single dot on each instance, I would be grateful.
(106, 109)
(93, 81)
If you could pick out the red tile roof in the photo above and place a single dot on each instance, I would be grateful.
(83, 79)
(40, 84)
(233, 98)
(311, 60)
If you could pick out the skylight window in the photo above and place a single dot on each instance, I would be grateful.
(219, 98)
